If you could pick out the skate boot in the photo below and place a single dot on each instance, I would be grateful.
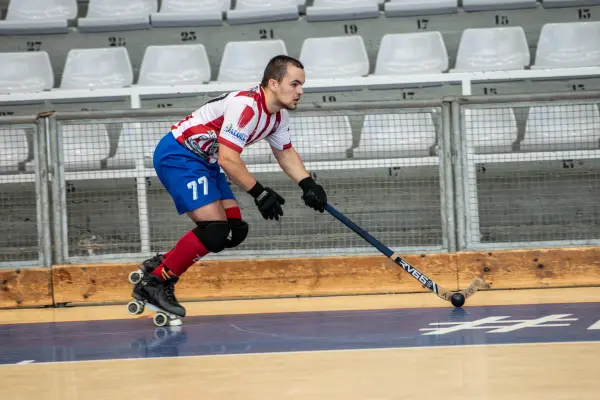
(147, 267)
(159, 296)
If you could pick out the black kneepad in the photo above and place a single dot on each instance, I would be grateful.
(213, 234)
(239, 232)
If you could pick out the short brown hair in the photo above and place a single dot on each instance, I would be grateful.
(277, 67)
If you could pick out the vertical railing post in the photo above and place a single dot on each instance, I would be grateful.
(58, 192)
(447, 180)
(459, 195)
(40, 153)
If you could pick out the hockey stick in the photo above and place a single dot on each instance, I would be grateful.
(477, 283)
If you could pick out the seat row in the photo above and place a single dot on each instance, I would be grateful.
(316, 138)
(111, 15)
(484, 49)
(329, 138)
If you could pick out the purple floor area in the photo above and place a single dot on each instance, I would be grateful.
(307, 331)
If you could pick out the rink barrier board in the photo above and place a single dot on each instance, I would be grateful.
(320, 276)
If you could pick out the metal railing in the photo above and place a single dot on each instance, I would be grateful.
(25, 237)
(529, 171)
(422, 176)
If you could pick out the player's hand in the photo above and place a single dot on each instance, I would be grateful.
(314, 195)
(268, 201)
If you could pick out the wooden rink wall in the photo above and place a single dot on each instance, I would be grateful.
(288, 277)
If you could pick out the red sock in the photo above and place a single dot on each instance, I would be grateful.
(188, 250)
(233, 213)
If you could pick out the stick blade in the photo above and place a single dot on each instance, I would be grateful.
(475, 285)
(469, 291)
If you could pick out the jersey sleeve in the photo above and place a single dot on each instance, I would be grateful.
(239, 120)
(281, 139)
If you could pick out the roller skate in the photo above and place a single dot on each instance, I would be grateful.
(158, 296)
(147, 267)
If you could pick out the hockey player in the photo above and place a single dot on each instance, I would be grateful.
(187, 162)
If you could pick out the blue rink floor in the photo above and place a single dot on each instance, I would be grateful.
(305, 331)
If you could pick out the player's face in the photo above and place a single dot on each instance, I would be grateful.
(289, 90)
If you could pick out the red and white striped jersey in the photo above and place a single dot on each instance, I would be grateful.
(235, 120)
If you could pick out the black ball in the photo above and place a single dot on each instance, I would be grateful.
(457, 300)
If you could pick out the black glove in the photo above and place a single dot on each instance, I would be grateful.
(268, 201)
(314, 195)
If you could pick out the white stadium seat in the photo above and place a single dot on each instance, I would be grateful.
(262, 4)
(490, 130)
(333, 10)
(137, 143)
(84, 146)
(92, 69)
(97, 68)
(13, 149)
(340, 3)
(568, 3)
(115, 15)
(128, 148)
(185, 64)
(245, 61)
(406, 8)
(321, 138)
(396, 135)
(412, 53)
(25, 72)
(562, 127)
(492, 49)
(38, 10)
(175, 13)
(571, 44)
(487, 5)
(190, 6)
(38, 16)
(334, 57)
(253, 11)
(121, 9)
(258, 153)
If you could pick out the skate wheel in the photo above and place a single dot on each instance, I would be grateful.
(175, 322)
(135, 308)
(161, 319)
(135, 277)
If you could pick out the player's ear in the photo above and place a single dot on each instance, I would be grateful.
(273, 84)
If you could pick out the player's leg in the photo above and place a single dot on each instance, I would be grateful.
(212, 227)
(209, 235)
(219, 226)
(189, 181)
(239, 228)
(165, 153)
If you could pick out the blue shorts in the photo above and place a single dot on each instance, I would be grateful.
(191, 181)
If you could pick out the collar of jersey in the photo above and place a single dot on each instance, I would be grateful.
(261, 101)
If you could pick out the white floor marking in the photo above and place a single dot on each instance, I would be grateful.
(595, 327)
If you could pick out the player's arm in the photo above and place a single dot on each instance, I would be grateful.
(290, 162)
(234, 167)
(238, 122)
